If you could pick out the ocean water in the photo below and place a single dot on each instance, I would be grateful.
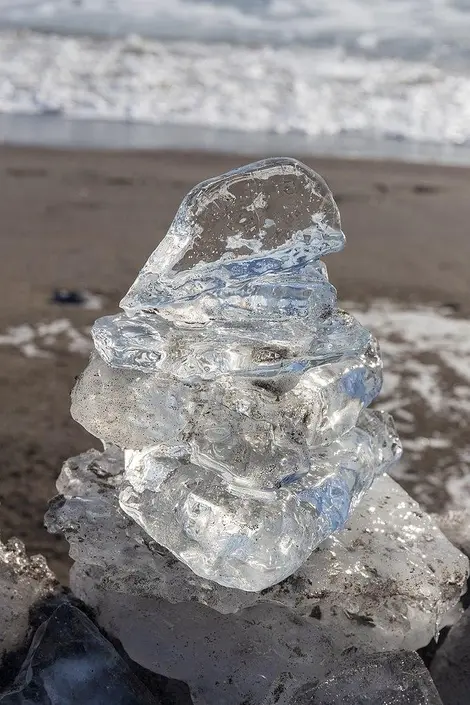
(376, 77)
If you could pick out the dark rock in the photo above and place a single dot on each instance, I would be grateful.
(71, 663)
(450, 668)
(68, 296)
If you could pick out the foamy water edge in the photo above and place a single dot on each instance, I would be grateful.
(155, 93)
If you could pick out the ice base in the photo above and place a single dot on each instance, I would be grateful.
(389, 580)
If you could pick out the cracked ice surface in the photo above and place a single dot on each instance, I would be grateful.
(236, 386)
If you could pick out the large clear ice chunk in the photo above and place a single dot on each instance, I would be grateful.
(235, 385)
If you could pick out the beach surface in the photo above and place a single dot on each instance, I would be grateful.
(87, 220)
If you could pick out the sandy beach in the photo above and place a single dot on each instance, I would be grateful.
(88, 220)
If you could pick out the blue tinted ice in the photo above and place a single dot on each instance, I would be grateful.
(71, 663)
(243, 245)
(236, 386)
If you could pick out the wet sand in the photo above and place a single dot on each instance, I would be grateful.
(88, 220)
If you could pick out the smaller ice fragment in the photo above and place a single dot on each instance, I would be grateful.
(230, 235)
(24, 581)
(71, 663)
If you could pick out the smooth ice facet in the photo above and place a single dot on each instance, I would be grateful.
(396, 678)
(71, 663)
(234, 242)
(236, 387)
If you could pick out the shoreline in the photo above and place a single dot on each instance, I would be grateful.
(54, 131)
(88, 219)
